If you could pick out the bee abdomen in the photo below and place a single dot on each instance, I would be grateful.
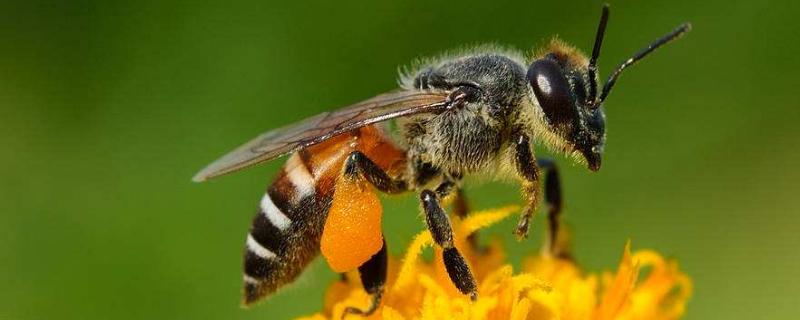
(284, 237)
(286, 232)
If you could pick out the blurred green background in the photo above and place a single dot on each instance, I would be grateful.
(107, 108)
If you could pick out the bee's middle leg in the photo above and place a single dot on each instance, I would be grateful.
(460, 207)
(442, 233)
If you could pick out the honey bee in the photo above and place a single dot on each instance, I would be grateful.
(476, 112)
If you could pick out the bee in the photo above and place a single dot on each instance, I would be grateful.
(477, 112)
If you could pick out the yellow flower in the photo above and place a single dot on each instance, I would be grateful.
(645, 285)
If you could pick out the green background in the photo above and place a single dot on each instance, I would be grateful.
(107, 109)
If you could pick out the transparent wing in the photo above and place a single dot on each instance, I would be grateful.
(274, 143)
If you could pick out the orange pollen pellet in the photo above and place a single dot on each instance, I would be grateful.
(352, 231)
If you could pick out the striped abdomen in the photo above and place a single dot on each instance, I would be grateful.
(285, 234)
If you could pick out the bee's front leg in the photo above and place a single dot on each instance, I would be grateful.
(442, 233)
(529, 174)
(554, 200)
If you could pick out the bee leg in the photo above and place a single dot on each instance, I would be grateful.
(442, 233)
(461, 210)
(373, 278)
(460, 207)
(358, 164)
(552, 196)
(529, 172)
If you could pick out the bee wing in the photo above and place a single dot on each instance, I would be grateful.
(275, 143)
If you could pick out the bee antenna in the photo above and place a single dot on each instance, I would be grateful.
(675, 34)
(598, 42)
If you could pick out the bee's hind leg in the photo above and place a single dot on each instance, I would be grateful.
(442, 233)
(373, 271)
(373, 278)
(359, 164)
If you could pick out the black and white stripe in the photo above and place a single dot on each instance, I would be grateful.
(300, 177)
(266, 243)
(273, 214)
(257, 249)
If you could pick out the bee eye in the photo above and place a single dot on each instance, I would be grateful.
(552, 91)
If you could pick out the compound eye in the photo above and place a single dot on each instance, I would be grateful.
(552, 91)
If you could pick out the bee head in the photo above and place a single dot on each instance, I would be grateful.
(561, 85)
(565, 86)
